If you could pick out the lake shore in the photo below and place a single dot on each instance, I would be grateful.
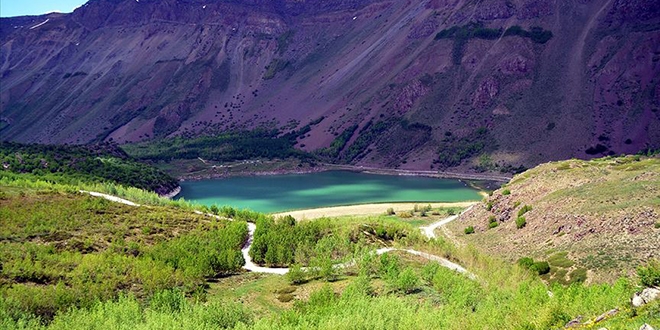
(364, 209)
(219, 172)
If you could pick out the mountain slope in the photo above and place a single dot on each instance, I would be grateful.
(375, 73)
(602, 215)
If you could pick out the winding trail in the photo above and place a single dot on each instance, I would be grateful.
(251, 266)
(429, 230)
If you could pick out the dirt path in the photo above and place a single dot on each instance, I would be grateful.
(429, 230)
(110, 198)
(362, 209)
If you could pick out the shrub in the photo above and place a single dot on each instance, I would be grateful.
(649, 275)
(540, 267)
(578, 276)
(493, 225)
(524, 210)
(390, 211)
(506, 192)
(405, 215)
(521, 222)
(285, 297)
(168, 301)
(469, 230)
(407, 281)
(526, 262)
(429, 270)
(360, 286)
(489, 206)
(296, 274)
(657, 225)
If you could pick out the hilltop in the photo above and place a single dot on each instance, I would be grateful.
(487, 86)
(600, 216)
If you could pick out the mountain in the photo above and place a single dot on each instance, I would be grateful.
(492, 84)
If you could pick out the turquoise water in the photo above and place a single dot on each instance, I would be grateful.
(276, 193)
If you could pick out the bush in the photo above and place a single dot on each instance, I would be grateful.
(493, 225)
(540, 267)
(429, 271)
(407, 281)
(390, 211)
(649, 275)
(657, 225)
(285, 297)
(506, 192)
(521, 222)
(489, 206)
(578, 276)
(524, 210)
(168, 301)
(469, 230)
(405, 215)
(526, 262)
(296, 274)
(360, 286)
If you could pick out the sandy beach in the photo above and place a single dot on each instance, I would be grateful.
(363, 209)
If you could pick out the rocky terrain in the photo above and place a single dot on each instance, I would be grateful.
(600, 215)
(432, 84)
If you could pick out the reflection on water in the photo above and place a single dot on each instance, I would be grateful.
(300, 191)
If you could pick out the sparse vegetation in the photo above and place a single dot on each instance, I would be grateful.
(275, 66)
(492, 222)
(649, 275)
(469, 230)
(462, 34)
(524, 210)
(225, 147)
(453, 150)
(338, 144)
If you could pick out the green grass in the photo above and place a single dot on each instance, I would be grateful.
(560, 260)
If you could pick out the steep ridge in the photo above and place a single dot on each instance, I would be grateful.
(407, 97)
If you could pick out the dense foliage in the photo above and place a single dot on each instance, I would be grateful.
(283, 242)
(62, 249)
(94, 163)
(224, 147)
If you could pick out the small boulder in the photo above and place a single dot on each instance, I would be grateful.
(646, 296)
(574, 322)
(646, 327)
(606, 315)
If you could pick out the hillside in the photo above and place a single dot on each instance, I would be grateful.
(487, 85)
(70, 164)
(73, 261)
(601, 215)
